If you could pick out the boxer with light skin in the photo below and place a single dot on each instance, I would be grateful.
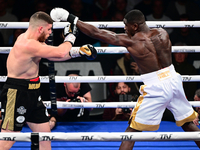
(20, 97)
(151, 50)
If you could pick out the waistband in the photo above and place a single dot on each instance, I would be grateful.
(159, 76)
(27, 84)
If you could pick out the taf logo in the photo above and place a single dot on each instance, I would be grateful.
(126, 137)
(72, 78)
(160, 25)
(2, 25)
(129, 78)
(165, 136)
(47, 138)
(101, 50)
(187, 78)
(87, 138)
(103, 25)
(100, 105)
(101, 78)
(9, 138)
(189, 26)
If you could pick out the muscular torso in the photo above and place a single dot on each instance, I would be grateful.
(20, 63)
(151, 50)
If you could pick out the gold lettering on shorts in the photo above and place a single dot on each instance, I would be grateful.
(164, 74)
(34, 86)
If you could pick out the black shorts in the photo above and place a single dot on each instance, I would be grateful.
(21, 102)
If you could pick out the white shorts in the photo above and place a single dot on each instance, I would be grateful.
(162, 89)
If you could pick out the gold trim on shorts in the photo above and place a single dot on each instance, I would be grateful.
(188, 119)
(143, 127)
(137, 125)
(10, 106)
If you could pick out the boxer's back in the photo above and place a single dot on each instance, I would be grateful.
(151, 50)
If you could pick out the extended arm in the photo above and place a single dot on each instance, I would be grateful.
(59, 14)
(102, 34)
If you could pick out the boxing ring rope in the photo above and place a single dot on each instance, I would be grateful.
(103, 79)
(120, 49)
(66, 105)
(113, 24)
(103, 136)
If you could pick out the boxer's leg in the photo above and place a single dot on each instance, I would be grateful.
(128, 145)
(41, 127)
(190, 127)
(6, 145)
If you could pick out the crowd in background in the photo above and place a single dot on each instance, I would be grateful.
(112, 10)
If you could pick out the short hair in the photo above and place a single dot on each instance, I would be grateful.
(40, 16)
(135, 16)
(197, 93)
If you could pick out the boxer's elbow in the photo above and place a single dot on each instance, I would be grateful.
(63, 54)
(60, 57)
(60, 54)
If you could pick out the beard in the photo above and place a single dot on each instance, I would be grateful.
(122, 93)
(42, 38)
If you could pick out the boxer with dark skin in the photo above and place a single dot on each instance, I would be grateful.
(151, 50)
(144, 44)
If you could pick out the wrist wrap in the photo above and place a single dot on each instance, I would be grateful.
(72, 19)
(70, 38)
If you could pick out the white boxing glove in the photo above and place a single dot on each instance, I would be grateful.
(60, 14)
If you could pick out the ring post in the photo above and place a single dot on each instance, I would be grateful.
(52, 84)
(34, 141)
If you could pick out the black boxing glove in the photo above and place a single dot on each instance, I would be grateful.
(86, 50)
(89, 51)
(70, 33)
